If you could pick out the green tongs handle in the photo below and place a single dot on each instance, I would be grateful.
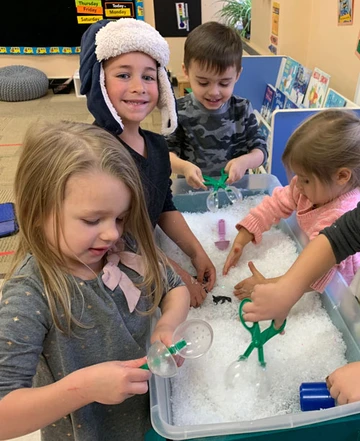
(216, 183)
(258, 338)
(174, 349)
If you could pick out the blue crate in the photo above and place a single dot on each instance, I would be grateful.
(8, 224)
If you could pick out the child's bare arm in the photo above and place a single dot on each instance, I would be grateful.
(192, 172)
(344, 383)
(28, 409)
(236, 168)
(174, 308)
(274, 301)
(197, 290)
(177, 164)
(245, 288)
(339, 241)
(241, 240)
(175, 226)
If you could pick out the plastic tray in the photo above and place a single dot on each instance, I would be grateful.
(336, 424)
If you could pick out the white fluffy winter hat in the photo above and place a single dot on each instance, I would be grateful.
(129, 35)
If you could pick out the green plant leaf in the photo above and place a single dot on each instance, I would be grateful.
(235, 11)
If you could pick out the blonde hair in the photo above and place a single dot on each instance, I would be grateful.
(324, 143)
(51, 154)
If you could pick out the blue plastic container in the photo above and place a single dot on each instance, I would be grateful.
(312, 386)
(315, 396)
(333, 424)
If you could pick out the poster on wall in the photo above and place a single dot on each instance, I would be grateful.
(345, 12)
(357, 51)
(274, 37)
(275, 18)
(176, 19)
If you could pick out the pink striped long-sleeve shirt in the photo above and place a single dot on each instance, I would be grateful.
(284, 201)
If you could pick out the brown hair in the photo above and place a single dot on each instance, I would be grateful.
(324, 143)
(214, 46)
(51, 154)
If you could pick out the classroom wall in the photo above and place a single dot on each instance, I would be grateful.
(209, 9)
(260, 25)
(333, 47)
(54, 66)
(309, 33)
(175, 44)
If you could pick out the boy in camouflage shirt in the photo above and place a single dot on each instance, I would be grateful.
(216, 129)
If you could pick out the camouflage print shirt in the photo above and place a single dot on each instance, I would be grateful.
(211, 138)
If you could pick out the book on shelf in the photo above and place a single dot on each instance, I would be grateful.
(300, 85)
(268, 100)
(317, 88)
(288, 75)
(279, 100)
(350, 104)
(265, 131)
(289, 104)
(274, 99)
(264, 127)
(334, 99)
(280, 71)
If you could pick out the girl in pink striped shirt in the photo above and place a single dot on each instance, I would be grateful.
(324, 155)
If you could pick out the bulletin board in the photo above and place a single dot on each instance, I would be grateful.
(176, 19)
(55, 27)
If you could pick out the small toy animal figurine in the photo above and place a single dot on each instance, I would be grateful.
(221, 299)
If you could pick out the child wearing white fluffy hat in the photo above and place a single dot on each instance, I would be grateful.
(122, 72)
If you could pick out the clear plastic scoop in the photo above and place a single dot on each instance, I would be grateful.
(258, 339)
(232, 193)
(235, 373)
(192, 339)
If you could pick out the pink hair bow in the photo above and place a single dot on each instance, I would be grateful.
(114, 277)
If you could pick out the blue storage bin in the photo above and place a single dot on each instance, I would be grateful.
(334, 424)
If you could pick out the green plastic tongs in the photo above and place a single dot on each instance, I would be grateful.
(232, 193)
(258, 339)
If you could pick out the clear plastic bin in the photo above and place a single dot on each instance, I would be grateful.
(336, 424)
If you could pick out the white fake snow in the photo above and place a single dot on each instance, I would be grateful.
(311, 348)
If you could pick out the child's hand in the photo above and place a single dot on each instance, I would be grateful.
(194, 176)
(243, 237)
(164, 333)
(205, 270)
(233, 257)
(344, 383)
(244, 288)
(113, 382)
(269, 302)
(197, 290)
(236, 168)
